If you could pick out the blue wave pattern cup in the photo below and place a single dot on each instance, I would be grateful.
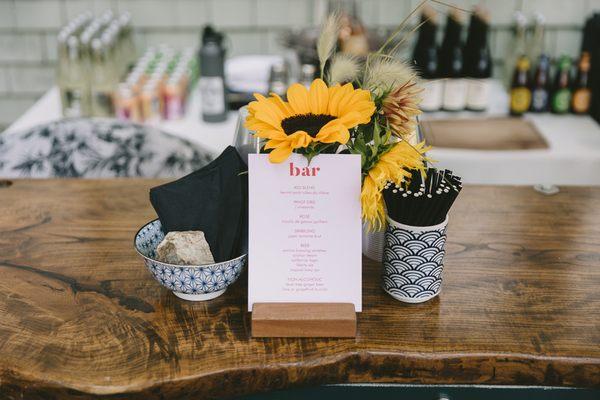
(188, 282)
(413, 261)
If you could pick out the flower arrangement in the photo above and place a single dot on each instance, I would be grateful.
(366, 107)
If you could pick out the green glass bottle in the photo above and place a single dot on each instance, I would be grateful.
(561, 96)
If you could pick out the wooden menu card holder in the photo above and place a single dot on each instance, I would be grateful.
(303, 320)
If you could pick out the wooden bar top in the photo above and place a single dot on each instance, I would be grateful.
(81, 316)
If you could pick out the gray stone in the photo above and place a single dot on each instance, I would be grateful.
(185, 248)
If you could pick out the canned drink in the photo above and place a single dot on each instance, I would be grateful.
(150, 103)
(126, 104)
(173, 100)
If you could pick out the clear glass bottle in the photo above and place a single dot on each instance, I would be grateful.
(73, 28)
(128, 44)
(307, 74)
(516, 47)
(75, 96)
(62, 65)
(536, 45)
(104, 77)
(278, 79)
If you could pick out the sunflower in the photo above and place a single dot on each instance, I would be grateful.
(318, 115)
(392, 166)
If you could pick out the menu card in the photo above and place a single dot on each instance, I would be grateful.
(305, 230)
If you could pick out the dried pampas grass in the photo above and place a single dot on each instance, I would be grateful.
(386, 73)
(328, 39)
(343, 68)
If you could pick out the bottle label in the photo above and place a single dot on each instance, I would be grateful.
(455, 94)
(561, 101)
(155, 107)
(124, 112)
(581, 101)
(73, 106)
(520, 100)
(150, 109)
(539, 100)
(478, 94)
(431, 97)
(212, 92)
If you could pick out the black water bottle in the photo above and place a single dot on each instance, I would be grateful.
(451, 65)
(212, 77)
(425, 55)
(478, 61)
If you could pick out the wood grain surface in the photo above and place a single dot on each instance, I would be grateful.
(80, 315)
(502, 133)
(303, 320)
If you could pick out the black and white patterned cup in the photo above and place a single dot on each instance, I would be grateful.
(413, 260)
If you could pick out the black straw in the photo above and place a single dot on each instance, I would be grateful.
(423, 201)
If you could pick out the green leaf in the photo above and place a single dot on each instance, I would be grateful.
(376, 134)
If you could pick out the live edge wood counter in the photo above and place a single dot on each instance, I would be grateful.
(80, 315)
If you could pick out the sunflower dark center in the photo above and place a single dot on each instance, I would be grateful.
(309, 123)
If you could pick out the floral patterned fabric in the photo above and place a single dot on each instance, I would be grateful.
(97, 148)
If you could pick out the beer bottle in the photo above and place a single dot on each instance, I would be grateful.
(540, 90)
(582, 94)
(520, 93)
(561, 95)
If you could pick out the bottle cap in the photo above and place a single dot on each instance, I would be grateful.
(124, 19)
(124, 90)
(106, 17)
(520, 19)
(97, 45)
(308, 69)
(538, 18)
(564, 63)
(73, 47)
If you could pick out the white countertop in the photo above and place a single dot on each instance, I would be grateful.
(573, 157)
(214, 136)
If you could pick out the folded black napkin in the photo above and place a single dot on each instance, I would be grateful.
(213, 199)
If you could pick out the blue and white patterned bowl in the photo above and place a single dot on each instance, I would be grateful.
(189, 282)
(413, 261)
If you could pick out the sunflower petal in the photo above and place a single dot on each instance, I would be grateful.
(272, 134)
(270, 105)
(280, 153)
(299, 139)
(337, 96)
(255, 124)
(298, 99)
(345, 97)
(333, 132)
(284, 106)
(318, 97)
(350, 120)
